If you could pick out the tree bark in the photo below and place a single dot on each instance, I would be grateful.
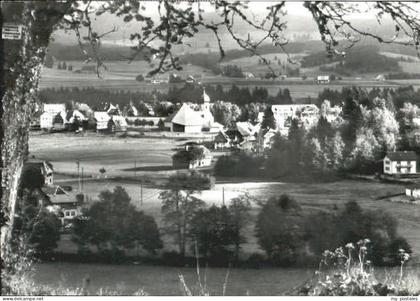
(21, 70)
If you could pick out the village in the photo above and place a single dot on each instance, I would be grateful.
(205, 141)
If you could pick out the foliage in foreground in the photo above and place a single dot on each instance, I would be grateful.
(347, 272)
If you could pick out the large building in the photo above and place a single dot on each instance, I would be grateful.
(186, 120)
(307, 114)
(400, 163)
(190, 120)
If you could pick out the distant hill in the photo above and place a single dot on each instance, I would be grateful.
(360, 59)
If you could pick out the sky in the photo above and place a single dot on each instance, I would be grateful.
(302, 18)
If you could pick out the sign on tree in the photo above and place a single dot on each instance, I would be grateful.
(12, 31)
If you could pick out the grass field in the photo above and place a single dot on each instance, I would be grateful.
(116, 154)
(121, 76)
(157, 280)
(312, 197)
(95, 151)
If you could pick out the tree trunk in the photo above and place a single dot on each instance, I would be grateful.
(21, 69)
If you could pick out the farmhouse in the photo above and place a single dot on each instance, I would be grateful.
(119, 124)
(102, 119)
(53, 117)
(221, 141)
(323, 79)
(248, 130)
(46, 121)
(413, 191)
(400, 163)
(66, 205)
(59, 121)
(193, 156)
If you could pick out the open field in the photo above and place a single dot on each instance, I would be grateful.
(121, 76)
(312, 197)
(157, 280)
(116, 154)
(95, 151)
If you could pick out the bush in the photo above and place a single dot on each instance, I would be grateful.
(256, 261)
(279, 230)
(238, 165)
(140, 78)
(173, 258)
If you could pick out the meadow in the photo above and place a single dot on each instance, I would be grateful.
(120, 75)
(161, 281)
(117, 155)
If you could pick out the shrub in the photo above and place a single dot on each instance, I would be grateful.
(279, 230)
(347, 272)
(256, 260)
(238, 165)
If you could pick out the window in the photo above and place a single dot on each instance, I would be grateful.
(67, 213)
(73, 213)
(398, 169)
(387, 168)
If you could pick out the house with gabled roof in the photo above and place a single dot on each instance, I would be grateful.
(193, 156)
(102, 119)
(400, 163)
(222, 141)
(65, 204)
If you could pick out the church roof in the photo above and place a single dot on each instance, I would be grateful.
(187, 116)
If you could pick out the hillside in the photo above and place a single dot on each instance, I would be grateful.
(360, 59)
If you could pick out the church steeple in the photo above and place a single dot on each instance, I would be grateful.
(206, 100)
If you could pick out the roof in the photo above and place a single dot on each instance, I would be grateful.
(221, 137)
(187, 116)
(58, 195)
(246, 128)
(402, 156)
(101, 116)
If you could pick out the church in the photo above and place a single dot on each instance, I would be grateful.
(190, 119)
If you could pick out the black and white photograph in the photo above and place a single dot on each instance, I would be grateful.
(210, 148)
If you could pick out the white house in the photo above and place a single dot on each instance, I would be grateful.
(193, 156)
(400, 163)
(308, 114)
(322, 79)
(413, 191)
(102, 119)
(248, 130)
(66, 205)
(119, 122)
(46, 121)
(205, 161)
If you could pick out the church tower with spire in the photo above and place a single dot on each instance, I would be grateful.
(206, 101)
